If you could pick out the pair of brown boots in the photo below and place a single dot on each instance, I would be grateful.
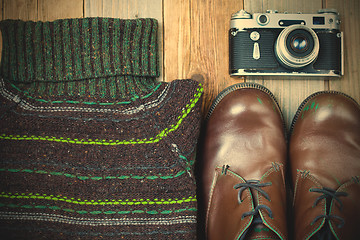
(256, 184)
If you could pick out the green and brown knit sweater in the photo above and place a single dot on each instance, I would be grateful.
(92, 146)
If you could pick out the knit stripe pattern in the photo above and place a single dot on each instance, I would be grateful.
(92, 146)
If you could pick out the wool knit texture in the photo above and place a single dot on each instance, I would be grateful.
(92, 146)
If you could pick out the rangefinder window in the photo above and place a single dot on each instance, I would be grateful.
(285, 23)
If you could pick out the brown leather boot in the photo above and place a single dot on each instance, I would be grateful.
(324, 153)
(244, 156)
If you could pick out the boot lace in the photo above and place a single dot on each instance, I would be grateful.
(255, 185)
(328, 194)
(252, 184)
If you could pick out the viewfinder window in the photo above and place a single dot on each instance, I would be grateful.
(318, 20)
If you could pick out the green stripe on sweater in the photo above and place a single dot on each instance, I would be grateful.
(61, 198)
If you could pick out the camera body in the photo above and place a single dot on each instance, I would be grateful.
(274, 43)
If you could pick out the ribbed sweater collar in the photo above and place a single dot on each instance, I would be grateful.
(101, 50)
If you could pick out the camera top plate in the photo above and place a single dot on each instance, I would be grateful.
(271, 19)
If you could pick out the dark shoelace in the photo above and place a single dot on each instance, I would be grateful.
(255, 185)
(252, 184)
(328, 194)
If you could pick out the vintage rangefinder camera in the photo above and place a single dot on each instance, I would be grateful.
(275, 43)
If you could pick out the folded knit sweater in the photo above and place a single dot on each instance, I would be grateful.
(92, 146)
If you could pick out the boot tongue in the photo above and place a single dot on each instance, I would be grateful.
(260, 231)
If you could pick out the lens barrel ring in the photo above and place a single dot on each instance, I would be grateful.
(287, 56)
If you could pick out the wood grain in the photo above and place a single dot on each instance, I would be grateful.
(49, 10)
(20, 9)
(123, 8)
(289, 91)
(196, 43)
(350, 24)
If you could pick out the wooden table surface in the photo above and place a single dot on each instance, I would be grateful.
(193, 38)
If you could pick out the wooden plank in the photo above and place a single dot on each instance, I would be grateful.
(20, 9)
(350, 25)
(177, 39)
(196, 43)
(289, 91)
(123, 8)
(1, 9)
(49, 10)
(129, 9)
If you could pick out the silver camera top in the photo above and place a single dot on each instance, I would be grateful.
(324, 19)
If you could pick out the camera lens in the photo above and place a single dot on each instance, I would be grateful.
(297, 46)
(300, 43)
